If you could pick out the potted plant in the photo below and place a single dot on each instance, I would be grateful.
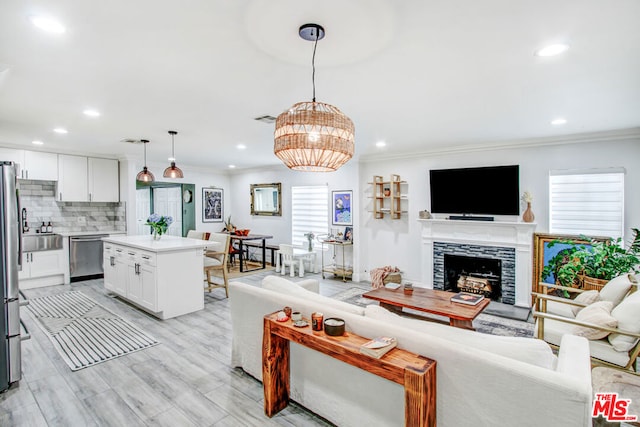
(593, 265)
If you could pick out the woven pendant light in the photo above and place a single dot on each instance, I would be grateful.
(145, 175)
(173, 171)
(313, 136)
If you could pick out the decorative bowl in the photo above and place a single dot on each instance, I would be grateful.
(334, 327)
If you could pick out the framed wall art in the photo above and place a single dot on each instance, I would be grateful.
(342, 208)
(212, 204)
(542, 253)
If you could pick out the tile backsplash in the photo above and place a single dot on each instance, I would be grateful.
(39, 199)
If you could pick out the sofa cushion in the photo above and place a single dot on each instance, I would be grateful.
(529, 350)
(617, 288)
(627, 313)
(586, 297)
(282, 285)
(598, 313)
(600, 349)
(211, 262)
(561, 309)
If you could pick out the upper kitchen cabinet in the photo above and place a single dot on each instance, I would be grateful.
(82, 179)
(33, 164)
(104, 185)
(39, 165)
(73, 185)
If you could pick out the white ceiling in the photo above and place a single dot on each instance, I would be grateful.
(420, 75)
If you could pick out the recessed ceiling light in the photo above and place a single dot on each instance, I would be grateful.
(48, 24)
(232, 166)
(60, 130)
(37, 142)
(91, 113)
(559, 121)
(241, 147)
(552, 50)
(381, 144)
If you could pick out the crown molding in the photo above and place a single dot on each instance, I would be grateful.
(619, 135)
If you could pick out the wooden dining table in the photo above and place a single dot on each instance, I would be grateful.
(241, 239)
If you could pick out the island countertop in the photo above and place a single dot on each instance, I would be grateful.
(165, 244)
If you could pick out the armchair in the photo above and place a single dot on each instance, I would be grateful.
(554, 318)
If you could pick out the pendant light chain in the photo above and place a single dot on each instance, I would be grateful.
(313, 66)
(173, 147)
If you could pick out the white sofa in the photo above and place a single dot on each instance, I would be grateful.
(482, 380)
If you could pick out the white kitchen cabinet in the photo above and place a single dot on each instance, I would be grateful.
(82, 179)
(131, 274)
(36, 165)
(115, 270)
(42, 268)
(141, 279)
(103, 177)
(73, 185)
(164, 278)
(39, 165)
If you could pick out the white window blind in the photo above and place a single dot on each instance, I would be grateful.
(309, 211)
(587, 202)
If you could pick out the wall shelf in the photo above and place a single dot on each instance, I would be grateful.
(388, 196)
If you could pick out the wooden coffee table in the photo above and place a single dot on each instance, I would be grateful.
(429, 301)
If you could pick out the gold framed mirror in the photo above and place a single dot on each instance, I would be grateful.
(266, 199)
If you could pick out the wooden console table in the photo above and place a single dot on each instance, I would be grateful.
(416, 373)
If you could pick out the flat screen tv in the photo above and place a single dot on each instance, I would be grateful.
(491, 190)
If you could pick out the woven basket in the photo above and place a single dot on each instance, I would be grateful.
(590, 283)
(392, 278)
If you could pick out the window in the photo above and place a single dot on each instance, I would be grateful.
(309, 212)
(589, 202)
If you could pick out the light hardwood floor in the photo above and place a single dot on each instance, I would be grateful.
(186, 380)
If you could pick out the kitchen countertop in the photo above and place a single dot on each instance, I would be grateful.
(165, 244)
(88, 233)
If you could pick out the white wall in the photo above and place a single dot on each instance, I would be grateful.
(397, 242)
(198, 176)
(346, 178)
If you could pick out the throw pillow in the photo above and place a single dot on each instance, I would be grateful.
(586, 297)
(627, 313)
(284, 286)
(528, 350)
(598, 313)
(617, 288)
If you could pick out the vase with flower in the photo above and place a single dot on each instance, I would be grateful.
(159, 224)
(528, 215)
(310, 236)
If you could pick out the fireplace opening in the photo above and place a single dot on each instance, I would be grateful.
(473, 274)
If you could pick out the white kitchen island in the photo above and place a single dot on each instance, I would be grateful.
(162, 277)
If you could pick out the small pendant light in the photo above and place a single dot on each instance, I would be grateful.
(145, 175)
(173, 171)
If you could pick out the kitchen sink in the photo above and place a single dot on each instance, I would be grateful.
(41, 242)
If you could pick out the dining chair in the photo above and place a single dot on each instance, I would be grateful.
(234, 250)
(193, 234)
(215, 259)
(287, 259)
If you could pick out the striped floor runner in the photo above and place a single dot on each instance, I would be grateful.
(84, 332)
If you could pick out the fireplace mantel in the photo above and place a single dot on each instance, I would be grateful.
(517, 235)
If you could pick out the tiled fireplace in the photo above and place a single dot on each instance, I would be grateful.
(499, 251)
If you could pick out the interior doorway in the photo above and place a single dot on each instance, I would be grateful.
(175, 200)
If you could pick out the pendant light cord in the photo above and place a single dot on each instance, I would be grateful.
(313, 65)
(173, 152)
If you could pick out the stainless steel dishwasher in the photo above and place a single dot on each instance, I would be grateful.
(85, 257)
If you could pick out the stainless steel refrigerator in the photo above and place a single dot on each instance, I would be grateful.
(10, 264)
